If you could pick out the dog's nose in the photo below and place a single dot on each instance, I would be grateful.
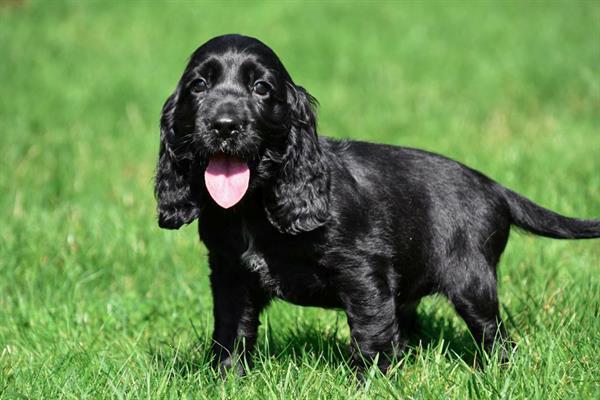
(225, 126)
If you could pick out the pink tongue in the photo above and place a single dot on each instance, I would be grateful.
(226, 179)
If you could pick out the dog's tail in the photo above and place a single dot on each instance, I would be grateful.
(541, 221)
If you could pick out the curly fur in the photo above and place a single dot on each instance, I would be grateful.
(367, 228)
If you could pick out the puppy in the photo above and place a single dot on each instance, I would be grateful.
(285, 213)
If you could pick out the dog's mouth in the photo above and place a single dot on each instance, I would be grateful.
(226, 178)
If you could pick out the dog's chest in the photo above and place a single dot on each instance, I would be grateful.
(283, 272)
(253, 259)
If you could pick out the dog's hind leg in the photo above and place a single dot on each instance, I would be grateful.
(473, 292)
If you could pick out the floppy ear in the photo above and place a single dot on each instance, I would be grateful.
(172, 189)
(299, 198)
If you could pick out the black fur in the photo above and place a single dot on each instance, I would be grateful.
(364, 227)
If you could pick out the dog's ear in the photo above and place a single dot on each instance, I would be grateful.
(298, 201)
(172, 189)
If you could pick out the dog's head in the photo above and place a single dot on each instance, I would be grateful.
(238, 125)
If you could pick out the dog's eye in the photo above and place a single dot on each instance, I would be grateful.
(198, 85)
(261, 88)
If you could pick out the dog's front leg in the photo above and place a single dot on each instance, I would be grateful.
(373, 329)
(237, 303)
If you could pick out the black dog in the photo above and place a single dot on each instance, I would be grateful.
(364, 227)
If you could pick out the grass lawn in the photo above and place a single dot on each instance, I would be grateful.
(97, 302)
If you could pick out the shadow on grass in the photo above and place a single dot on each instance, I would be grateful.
(436, 331)
(181, 361)
(310, 345)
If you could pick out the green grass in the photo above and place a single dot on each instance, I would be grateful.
(97, 302)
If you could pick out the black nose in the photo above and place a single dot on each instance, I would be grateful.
(225, 126)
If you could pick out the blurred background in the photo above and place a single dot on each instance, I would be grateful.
(89, 283)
